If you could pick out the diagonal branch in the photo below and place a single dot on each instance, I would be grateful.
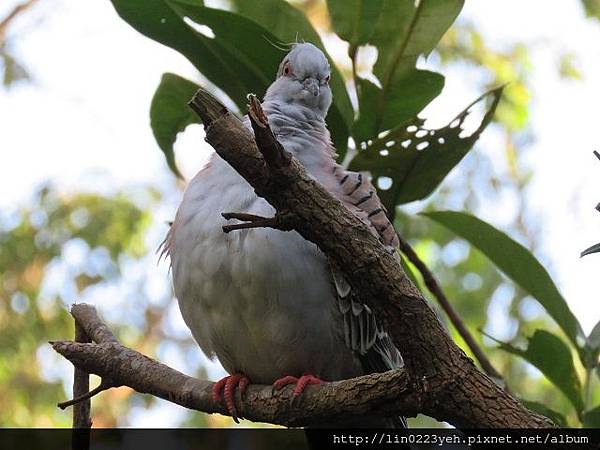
(452, 388)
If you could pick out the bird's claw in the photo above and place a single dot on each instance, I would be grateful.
(300, 384)
(228, 386)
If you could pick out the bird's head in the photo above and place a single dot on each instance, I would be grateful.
(303, 78)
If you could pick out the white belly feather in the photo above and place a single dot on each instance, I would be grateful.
(261, 300)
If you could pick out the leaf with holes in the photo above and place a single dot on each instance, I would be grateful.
(354, 20)
(518, 264)
(289, 25)
(592, 249)
(169, 114)
(418, 159)
(405, 29)
(553, 358)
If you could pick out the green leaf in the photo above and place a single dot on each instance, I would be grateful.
(354, 20)
(417, 172)
(169, 113)
(241, 58)
(158, 20)
(592, 348)
(405, 30)
(592, 8)
(290, 25)
(594, 337)
(591, 418)
(592, 249)
(404, 102)
(553, 358)
(517, 263)
(542, 409)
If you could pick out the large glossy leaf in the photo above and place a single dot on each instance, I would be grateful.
(354, 20)
(592, 249)
(517, 263)
(553, 358)
(415, 171)
(405, 29)
(290, 25)
(542, 409)
(218, 61)
(241, 58)
(169, 114)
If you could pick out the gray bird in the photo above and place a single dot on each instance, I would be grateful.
(268, 304)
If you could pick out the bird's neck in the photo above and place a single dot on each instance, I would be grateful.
(301, 130)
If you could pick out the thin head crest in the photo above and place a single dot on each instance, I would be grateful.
(283, 46)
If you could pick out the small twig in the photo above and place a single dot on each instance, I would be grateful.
(436, 290)
(16, 11)
(74, 401)
(278, 222)
(597, 154)
(273, 152)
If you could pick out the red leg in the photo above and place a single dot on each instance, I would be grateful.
(300, 383)
(228, 385)
(304, 381)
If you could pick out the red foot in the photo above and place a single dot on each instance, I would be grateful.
(300, 383)
(228, 386)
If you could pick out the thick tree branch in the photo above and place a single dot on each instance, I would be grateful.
(378, 394)
(436, 290)
(453, 389)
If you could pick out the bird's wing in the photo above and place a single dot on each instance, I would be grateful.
(357, 192)
(361, 331)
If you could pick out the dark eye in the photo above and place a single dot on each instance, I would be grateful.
(327, 78)
(287, 69)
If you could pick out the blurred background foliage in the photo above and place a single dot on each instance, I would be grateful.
(65, 247)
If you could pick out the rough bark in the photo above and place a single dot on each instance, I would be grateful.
(438, 379)
(378, 394)
(452, 387)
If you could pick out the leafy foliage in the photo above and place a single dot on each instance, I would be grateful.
(546, 351)
(553, 358)
(592, 8)
(415, 159)
(401, 31)
(517, 263)
(406, 160)
(404, 31)
(38, 276)
(167, 118)
(353, 20)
